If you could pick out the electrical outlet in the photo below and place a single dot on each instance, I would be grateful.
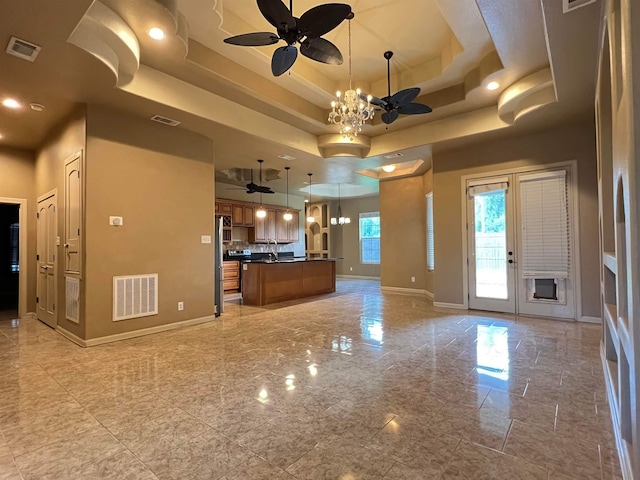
(413, 279)
(180, 306)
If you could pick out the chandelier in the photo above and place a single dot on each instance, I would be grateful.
(350, 111)
(340, 220)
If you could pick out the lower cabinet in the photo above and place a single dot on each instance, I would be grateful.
(231, 276)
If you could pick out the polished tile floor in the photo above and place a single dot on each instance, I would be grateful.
(356, 385)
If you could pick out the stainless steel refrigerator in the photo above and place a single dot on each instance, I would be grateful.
(217, 264)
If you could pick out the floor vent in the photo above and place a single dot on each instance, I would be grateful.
(571, 5)
(135, 296)
(72, 299)
(23, 49)
(165, 120)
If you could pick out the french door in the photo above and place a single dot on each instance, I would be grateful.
(491, 244)
(518, 240)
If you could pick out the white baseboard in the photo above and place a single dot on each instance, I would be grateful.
(623, 451)
(133, 334)
(457, 306)
(429, 295)
(587, 319)
(356, 277)
(410, 291)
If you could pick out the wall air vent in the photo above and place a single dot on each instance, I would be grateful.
(72, 299)
(393, 155)
(165, 120)
(23, 49)
(135, 296)
(570, 5)
(284, 156)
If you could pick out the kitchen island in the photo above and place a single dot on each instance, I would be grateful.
(268, 282)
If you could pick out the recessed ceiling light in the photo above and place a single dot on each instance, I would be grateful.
(11, 103)
(389, 168)
(493, 85)
(36, 107)
(156, 33)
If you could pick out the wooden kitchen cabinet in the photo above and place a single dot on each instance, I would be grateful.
(264, 229)
(287, 232)
(231, 276)
(243, 215)
(223, 208)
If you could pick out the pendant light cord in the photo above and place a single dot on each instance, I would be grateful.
(350, 54)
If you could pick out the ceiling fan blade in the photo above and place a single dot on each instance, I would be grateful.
(321, 50)
(283, 59)
(404, 97)
(390, 117)
(257, 39)
(322, 19)
(414, 109)
(277, 14)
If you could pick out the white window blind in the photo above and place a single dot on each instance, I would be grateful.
(545, 225)
(430, 249)
(477, 187)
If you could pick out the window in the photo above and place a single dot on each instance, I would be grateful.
(14, 238)
(370, 237)
(430, 250)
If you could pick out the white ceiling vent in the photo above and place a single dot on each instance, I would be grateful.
(570, 5)
(165, 120)
(23, 49)
(284, 156)
(393, 155)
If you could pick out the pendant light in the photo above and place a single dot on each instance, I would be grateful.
(309, 217)
(340, 220)
(261, 212)
(287, 215)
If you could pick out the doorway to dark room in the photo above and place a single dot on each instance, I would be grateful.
(9, 260)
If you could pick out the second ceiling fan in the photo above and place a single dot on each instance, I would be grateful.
(399, 103)
(306, 30)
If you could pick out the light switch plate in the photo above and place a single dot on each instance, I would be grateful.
(205, 239)
(116, 221)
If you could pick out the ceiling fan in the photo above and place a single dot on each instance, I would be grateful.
(305, 30)
(252, 187)
(399, 103)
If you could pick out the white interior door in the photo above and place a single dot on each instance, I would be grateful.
(491, 244)
(46, 259)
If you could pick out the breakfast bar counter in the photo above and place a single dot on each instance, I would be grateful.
(278, 281)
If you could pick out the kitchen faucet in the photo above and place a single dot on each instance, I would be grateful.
(274, 252)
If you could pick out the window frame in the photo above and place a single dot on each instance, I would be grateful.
(364, 215)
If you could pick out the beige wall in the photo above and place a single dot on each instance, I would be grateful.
(576, 142)
(345, 240)
(65, 141)
(161, 181)
(403, 233)
(17, 181)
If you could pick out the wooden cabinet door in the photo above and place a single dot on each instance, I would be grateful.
(271, 224)
(249, 214)
(294, 227)
(224, 208)
(282, 227)
(237, 216)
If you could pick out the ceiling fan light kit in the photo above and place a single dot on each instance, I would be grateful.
(306, 30)
(350, 112)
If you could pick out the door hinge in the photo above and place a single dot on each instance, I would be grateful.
(78, 173)
(37, 299)
(37, 215)
(78, 232)
(37, 257)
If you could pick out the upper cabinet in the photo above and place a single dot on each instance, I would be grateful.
(261, 230)
(242, 215)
